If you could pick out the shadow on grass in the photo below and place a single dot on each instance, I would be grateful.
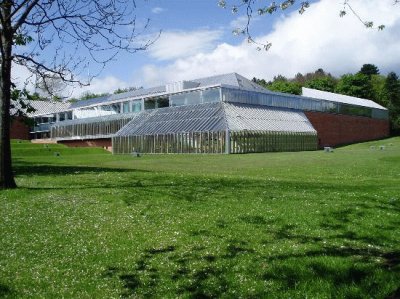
(199, 274)
(4, 290)
(337, 270)
(65, 170)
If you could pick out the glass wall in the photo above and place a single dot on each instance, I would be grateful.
(179, 143)
(299, 103)
(95, 127)
(126, 107)
(136, 105)
(156, 102)
(240, 142)
(110, 109)
(196, 97)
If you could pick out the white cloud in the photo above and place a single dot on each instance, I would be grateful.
(157, 10)
(301, 43)
(178, 44)
(22, 77)
(241, 22)
(100, 85)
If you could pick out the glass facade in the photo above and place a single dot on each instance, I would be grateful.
(136, 105)
(299, 103)
(126, 107)
(212, 95)
(196, 97)
(156, 102)
(215, 142)
(110, 109)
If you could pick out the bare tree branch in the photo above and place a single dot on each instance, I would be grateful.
(24, 15)
(269, 7)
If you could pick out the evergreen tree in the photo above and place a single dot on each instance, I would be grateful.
(392, 89)
(369, 70)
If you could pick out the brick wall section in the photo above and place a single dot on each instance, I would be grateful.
(337, 129)
(103, 142)
(19, 129)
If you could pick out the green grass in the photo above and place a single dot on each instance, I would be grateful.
(86, 224)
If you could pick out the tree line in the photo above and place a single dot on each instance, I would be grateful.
(367, 83)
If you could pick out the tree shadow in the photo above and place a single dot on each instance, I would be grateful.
(67, 170)
(4, 290)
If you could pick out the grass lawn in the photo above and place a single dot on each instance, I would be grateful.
(86, 224)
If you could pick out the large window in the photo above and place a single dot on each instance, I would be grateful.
(187, 98)
(68, 115)
(153, 103)
(111, 109)
(211, 95)
(126, 107)
(136, 105)
(86, 112)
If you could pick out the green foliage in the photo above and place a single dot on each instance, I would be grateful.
(20, 101)
(22, 39)
(379, 89)
(89, 95)
(369, 70)
(326, 83)
(285, 86)
(201, 226)
(357, 85)
(392, 86)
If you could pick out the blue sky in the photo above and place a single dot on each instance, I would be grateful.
(195, 16)
(197, 41)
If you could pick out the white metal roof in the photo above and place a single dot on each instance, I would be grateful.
(216, 117)
(193, 118)
(334, 97)
(262, 118)
(41, 107)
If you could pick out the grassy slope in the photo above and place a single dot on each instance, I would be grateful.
(88, 224)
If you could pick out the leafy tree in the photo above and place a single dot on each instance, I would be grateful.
(280, 78)
(261, 82)
(299, 78)
(369, 70)
(285, 86)
(281, 84)
(326, 83)
(378, 90)
(357, 85)
(89, 95)
(392, 87)
(55, 38)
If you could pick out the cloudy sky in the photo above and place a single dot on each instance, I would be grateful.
(197, 41)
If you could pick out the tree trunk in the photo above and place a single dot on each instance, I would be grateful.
(6, 173)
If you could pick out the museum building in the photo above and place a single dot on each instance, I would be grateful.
(219, 114)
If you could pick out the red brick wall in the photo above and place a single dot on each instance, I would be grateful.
(104, 143)
(18, 129)
(337, 129)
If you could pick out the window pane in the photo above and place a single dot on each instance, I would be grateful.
(211, 95)
(125, 107)
(149, 103)
(136, 106)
